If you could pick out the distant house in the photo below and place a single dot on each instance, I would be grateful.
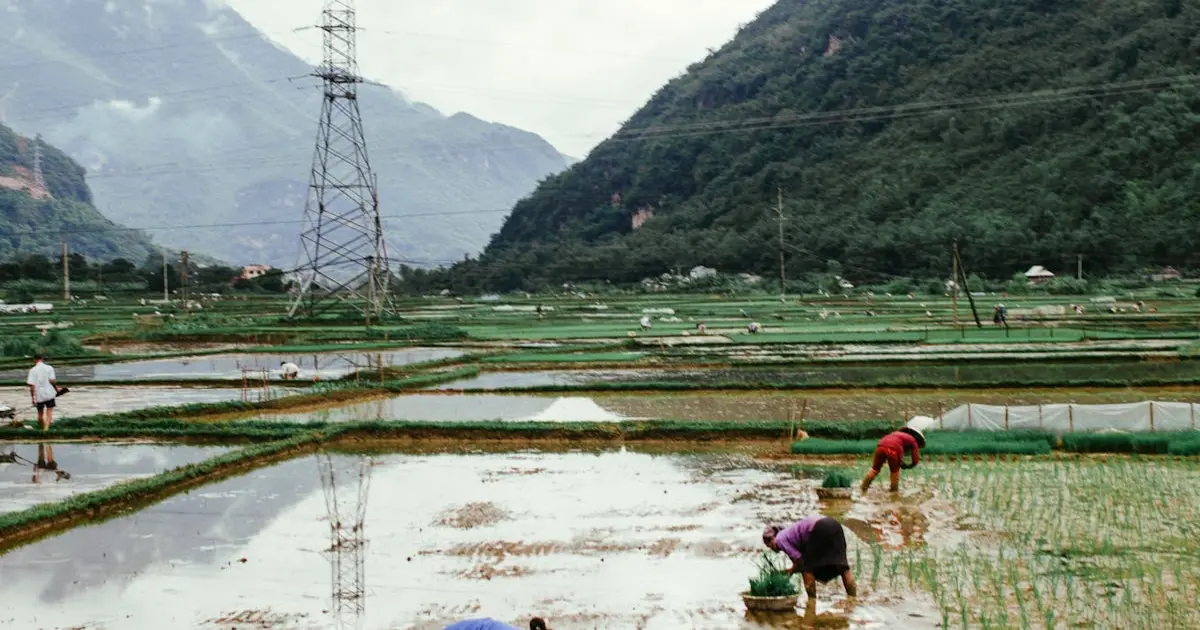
(1038, 274)
(1166, 273)
(250, 272)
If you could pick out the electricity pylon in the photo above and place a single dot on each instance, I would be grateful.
(342, 234)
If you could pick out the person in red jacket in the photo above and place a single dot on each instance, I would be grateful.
(891, 449)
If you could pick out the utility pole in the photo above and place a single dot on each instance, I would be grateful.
(166, 280)
(962, 275)
(183, 275)
(782, 278)
(954, 285)
(1079, 266)
(66, 274)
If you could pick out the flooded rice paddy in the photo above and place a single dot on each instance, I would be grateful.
(612, 539)
(818, 375)
(724, 407)
(38, 474)
(87, 400)
(325, 365)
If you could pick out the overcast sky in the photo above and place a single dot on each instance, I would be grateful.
(569, 70)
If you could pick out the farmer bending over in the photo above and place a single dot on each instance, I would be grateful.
(290, 370)
(891, 449)
(43, 389)
(491, 624)
(817, 546)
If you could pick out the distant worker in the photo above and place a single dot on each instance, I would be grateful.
(646, 322)
(817, 546)
(753, 328)
(290, 370)
(43, 389)
(891, 449)
(702, 328)
(491, 624)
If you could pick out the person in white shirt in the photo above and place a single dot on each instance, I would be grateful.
(290, 370)
(43, 389)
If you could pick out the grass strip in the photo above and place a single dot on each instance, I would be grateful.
(39, 521)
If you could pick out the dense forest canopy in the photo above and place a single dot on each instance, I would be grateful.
(1030, 131)
(32, 224)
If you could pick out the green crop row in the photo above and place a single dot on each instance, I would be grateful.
(849, 430)
(1019, 443)
(1182, 443)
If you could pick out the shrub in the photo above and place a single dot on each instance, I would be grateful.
(55, 343)
(772, 580)
(19, 347)
(20, 296)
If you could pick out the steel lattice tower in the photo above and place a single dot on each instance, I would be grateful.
(347, 516)
(342, 234)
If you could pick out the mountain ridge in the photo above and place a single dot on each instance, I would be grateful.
(1105, 173)
(181, 108)
(35, 220)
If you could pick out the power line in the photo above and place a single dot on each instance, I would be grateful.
(739, 125)
(170, 227)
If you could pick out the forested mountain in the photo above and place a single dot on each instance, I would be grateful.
(184, 114)
(34, 219)
(1028, 130)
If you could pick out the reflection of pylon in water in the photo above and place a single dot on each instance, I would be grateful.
(347, 512)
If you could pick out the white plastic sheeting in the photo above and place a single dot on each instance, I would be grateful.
(1130, 417)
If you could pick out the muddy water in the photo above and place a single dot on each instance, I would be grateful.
(816, 405)
(862, 404)
(589, 540)
(87, 400)
(831, 375)
(38, 477)
(457, 408)
(542, 378)
(229, 367)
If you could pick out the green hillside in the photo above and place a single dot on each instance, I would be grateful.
(31, 223)
(1029, 130)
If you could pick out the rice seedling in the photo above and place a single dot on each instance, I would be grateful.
(1062, 551)
(773, 579)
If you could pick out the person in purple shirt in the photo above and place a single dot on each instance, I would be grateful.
(817, 546)
(491, 624)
